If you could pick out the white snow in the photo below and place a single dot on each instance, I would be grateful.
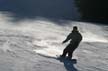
(32, 45)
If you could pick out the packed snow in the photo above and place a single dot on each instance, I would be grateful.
(32, 45)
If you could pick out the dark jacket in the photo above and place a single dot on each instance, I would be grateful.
(74, 36)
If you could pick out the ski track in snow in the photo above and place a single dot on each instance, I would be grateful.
(21, 44)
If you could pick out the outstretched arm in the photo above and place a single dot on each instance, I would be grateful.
(67, 39)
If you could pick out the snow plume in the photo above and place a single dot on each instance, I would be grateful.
(93, 32)
(47, 35)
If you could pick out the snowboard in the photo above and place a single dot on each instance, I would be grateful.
(66, 59)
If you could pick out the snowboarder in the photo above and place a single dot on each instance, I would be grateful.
(75, 38)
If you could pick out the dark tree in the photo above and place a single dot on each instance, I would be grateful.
(93, 10)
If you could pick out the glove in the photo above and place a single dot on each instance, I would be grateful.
(63, 42)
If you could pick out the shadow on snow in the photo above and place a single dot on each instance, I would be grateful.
(69, 65)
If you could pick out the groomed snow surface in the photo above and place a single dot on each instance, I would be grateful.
(32, 45)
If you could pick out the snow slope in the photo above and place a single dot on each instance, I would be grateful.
(32, 45)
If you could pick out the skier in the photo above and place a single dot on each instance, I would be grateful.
(75, 38)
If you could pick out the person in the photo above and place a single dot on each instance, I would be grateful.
(75, 38)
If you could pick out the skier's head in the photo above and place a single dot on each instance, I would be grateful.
(75, 28)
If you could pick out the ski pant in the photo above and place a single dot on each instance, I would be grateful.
(69, 50)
